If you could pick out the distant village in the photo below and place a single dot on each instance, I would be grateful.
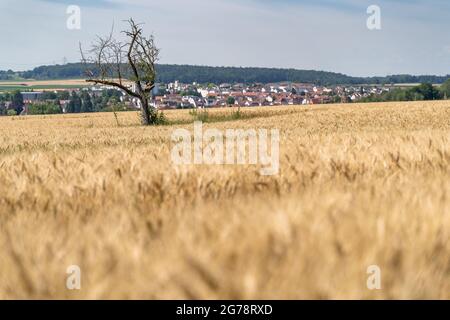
(178, 95)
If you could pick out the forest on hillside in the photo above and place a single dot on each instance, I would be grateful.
(204, 74)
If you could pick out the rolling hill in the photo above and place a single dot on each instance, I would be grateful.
(204, 74)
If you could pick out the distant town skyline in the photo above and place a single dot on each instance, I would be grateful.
(300, 34)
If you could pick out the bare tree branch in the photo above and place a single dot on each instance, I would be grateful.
(114, 84)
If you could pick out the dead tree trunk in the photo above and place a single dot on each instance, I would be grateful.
(147, 112)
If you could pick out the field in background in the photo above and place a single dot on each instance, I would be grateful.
(360, 185)
(42, 85)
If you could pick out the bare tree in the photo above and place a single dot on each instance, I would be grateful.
(115, 63)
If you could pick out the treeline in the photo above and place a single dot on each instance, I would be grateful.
(75, 102)
(204, 74)
(424, 91)
(8, 75)
(85, 101)
(201, 74)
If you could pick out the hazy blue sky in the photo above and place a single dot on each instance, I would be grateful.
(315, 34)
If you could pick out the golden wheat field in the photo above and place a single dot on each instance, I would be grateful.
(359, 185)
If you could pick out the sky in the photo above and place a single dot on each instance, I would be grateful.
(328, 35)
